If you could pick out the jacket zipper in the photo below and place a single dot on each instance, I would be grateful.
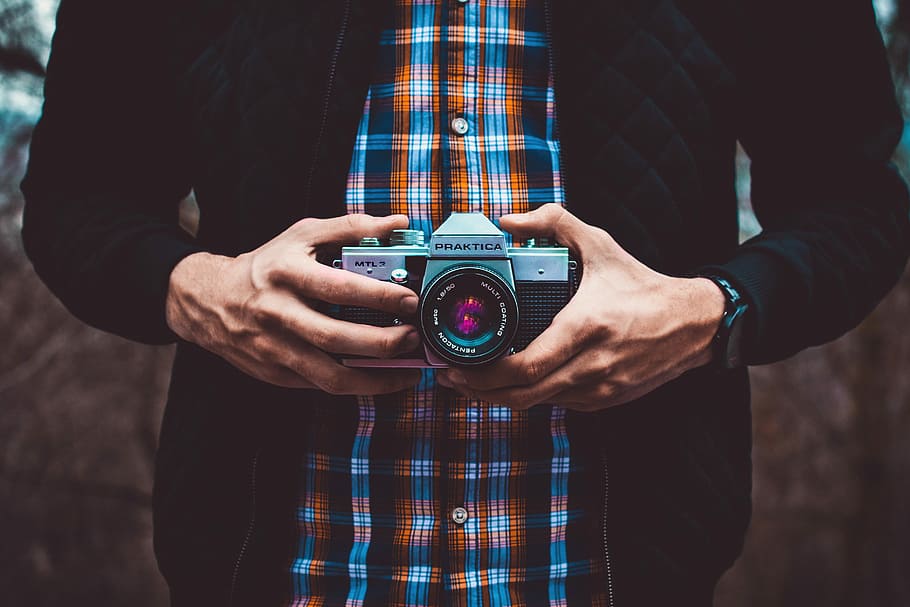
(552, 62)
(326, 100)
(251, 526)
(606, 505)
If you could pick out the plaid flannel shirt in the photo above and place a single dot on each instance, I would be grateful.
(459, 117)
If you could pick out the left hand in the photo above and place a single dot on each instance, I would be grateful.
(626, 331)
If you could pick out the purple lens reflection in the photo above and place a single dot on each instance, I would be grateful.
(469, 316)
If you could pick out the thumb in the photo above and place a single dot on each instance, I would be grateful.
(550, 220)
(351, 228)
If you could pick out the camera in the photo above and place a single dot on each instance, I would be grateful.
(479, 298)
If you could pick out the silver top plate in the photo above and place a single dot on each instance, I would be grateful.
(467, 235)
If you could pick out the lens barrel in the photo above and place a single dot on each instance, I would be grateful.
(468, 315)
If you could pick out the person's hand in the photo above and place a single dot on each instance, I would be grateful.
(256, 310)
(626, 331)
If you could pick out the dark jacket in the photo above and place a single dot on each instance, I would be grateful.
(254, 105)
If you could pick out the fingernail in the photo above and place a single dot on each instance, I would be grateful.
(409, 305)
(443, 380)
(456, 376)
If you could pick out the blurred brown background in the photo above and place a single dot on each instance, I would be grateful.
(79, 414)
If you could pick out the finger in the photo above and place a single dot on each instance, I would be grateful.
(349, 228)
(319, 282)
(288, 361)
(601, 395)
(277, 375)
(525, 397)
(339, 336)
(593, 398)
(290, 365)
(332, 377)
(549, 350)
(551, 220)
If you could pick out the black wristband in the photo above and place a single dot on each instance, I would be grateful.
(727, 342)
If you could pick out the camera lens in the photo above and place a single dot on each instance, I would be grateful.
(469, 315)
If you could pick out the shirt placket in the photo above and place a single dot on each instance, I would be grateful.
(464, 162)
(463, 513)
(465, 128)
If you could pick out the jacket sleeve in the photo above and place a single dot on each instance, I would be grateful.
(818, 117)
(108, 167)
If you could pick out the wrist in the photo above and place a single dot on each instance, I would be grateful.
(191, 283)
(706, 304)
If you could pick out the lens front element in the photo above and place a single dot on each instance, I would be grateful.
(469, 315)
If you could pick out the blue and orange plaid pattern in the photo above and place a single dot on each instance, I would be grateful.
(379, 484)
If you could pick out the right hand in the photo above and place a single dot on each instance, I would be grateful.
(256, 310)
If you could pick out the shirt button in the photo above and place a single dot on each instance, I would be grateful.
(460, 126)
(459, 515)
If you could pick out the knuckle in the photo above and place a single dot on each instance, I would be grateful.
(388, 345)
(264, 268)
(258, 310)
(588, 329)
(303, 228)
(562, 219)
(305, 225)
(268, 316)
(603, 363)
(552, 211)
(605, 391)
(262, 349)
(601, 327)
(599, 331)
(533, 371)
(354, 222)
(555, 209)
(278, 269)
(593, 371)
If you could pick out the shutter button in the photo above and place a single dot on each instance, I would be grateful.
(459, 515)
(399, 275)
(460, 126)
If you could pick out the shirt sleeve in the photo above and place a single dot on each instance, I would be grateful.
(108, 166)
(818, 117)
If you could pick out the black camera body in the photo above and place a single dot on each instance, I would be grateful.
(479, 299)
